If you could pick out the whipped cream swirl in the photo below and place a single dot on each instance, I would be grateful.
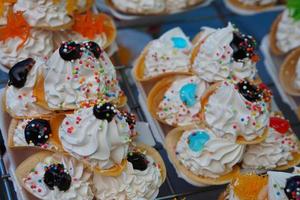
(141, 6)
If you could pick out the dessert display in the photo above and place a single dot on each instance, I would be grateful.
(284, 34)
(255, 5)
(203, 157)
(238, 111)
(144, 174)
(165, 56)
(280, 150)
(175, 100)
(55, 176)
(224, 53)
(155, 7)
(289, 74)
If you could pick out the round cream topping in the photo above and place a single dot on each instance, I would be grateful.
(288, 33)
(21, 101)
(229, 114)
(276, 183)
(43, 13)
(38, 44)
(69, 83)
(169, 53)
(297, 79)
(101, 143)
(132, 184)
(80, 186)
(257, 2)
(19, 136)
(181, 103)
(214, 61)
(140, 6)
(205, 154)
(274, 152)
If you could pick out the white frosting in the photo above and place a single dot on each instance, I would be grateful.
(103, 144)
(140, 6)
(214, 60)
(277, 181)
(43, 13)
(274, 152)
(288, 33)
(19, 136)
(21, 101)
(38, 44)
(131, 184)
(80, 186)
(297, 79)
(67, 83)
(217, 157)
(164, 56)
(229, 114)
(257, 2)
(173, 110)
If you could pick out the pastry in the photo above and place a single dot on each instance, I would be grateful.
(201, 156)
(238, 111)
(280, 150)
(175, 100)
(289, 74)
(176, 6)
(78, 73)
(224, 53)
(51, 176)
(5, 5)
(285, 31)
(18, 100)
(46, 14)
(97, 27)
(254, 5)
(168, 55)
(144, 174)
(18, 41)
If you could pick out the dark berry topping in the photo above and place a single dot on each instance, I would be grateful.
(292, 188)
(249, 91)
(37, 132)
(70, 51)
(130, 119)
(106, 111)
(55, 175)
(94, 48)
(243, 47)
(138, 160)
(18, 73)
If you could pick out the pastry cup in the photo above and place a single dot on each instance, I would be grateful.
(170, 145)
(156, 95)
(287, 73)
(139, 68)
(39, 93)
(150, 151)
(240, 139)
(55, 122)
(273, 41)
(256, 8)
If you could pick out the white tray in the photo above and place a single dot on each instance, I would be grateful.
(273, 64)
(240, 11)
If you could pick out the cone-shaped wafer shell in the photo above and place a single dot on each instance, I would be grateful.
(170, 144)
(157, 93)
(287, 73)
(273, 41)
(150, 151)
(257, 8)
(240, 139)
(39, 93)
(139, 69)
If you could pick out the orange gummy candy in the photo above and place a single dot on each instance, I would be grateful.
(248, 186)
(90, 25)
(16, 27)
